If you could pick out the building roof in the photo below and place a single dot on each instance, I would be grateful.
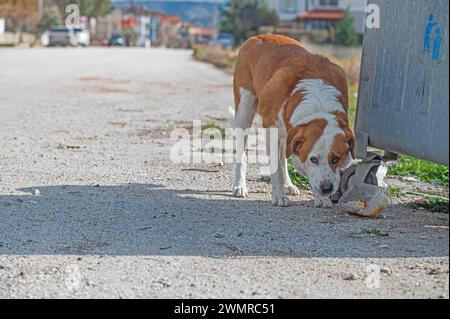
(196, 30)
(322, 15)
(168, 18)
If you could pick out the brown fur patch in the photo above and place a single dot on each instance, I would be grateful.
(301, 138)
(340, 149)
(349, 137)
(270, 66)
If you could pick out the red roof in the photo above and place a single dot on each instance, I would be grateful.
(168, 18)
(322, 15)
(207, 32)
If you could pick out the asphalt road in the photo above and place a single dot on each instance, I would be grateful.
(92, 206)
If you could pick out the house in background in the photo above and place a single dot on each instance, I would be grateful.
(287, 10)
(324, 14)
(318, 14)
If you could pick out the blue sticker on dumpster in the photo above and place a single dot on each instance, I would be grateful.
(433, 38)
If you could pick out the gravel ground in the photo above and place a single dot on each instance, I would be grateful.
(91, 206)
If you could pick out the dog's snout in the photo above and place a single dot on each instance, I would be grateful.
(326, 188)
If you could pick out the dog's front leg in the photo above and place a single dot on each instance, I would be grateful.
(276, 150)
(324, 202)
(291, 189)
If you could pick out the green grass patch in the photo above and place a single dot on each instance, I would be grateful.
(297, 179)
(373, 232)
(352, 102)
(433, 204)
(422, 170)
(214, 126)
(395, 191)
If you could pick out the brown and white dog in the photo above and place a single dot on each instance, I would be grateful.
(305, 96)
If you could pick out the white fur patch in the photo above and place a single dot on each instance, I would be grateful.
(317, 116)
(319, 98)
(324, 144)
(246, 111)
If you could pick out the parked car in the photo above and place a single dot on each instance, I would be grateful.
(82, 36)
(116, 40)
(62, 35)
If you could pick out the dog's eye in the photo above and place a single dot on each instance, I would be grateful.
(314, 160)
(335, 160)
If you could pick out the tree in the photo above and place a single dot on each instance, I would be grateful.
(346, 34)
(243, 18)
(18, 13)
(102, 8)
(50, 18)
(90, 8)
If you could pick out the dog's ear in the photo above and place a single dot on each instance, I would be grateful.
(349, 137)
(351, 141)
(295, 140)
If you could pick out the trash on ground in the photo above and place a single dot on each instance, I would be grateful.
(365, 200)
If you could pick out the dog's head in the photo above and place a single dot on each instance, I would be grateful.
(320, 149)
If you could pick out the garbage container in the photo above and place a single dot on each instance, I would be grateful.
(403, 100)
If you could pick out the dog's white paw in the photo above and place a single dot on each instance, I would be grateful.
(280, 200)
(292, 190)
(324, 202)
(240, 191)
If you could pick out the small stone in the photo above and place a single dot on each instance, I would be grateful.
(436, 272)
(386, 270)
(409, 179)
(35, 192)
(351, 276)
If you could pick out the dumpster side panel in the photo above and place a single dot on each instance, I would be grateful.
(403, 103)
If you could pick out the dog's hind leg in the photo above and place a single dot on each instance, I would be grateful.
(244, 117)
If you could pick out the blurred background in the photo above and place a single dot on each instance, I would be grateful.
(213, 29)
(178, 23)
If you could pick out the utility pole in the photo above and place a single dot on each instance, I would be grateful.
(40, 9)
(215, 18)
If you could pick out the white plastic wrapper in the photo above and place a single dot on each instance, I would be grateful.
(381, 174)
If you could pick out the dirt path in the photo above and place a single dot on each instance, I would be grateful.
(87, 132)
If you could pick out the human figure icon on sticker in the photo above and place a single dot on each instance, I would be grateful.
(435, 38)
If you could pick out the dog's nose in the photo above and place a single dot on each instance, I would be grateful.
(326, 188)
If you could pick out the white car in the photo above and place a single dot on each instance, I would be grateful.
(61, 35)
(82, 36)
